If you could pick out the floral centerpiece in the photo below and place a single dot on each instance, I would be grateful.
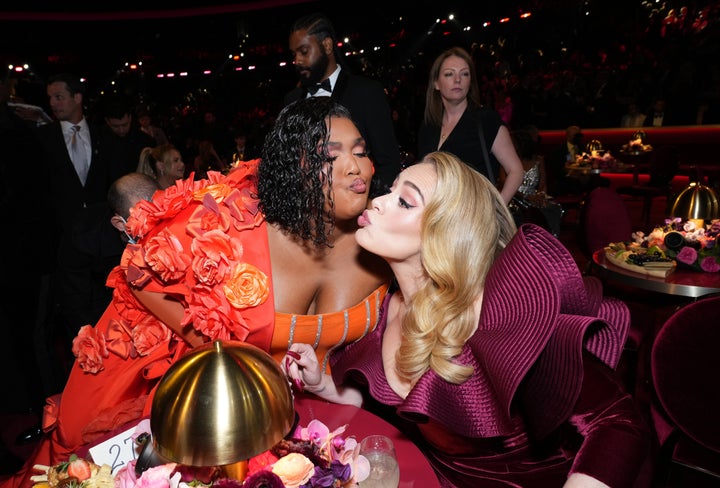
(637, 145)
(599, 159)
(690, 243)
(312, 457)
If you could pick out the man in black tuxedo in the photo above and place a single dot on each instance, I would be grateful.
(658, 116)
(317, 62)
(70, 178)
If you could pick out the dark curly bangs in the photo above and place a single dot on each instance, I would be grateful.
(295, 166)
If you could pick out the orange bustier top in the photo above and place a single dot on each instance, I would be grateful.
(327, 332)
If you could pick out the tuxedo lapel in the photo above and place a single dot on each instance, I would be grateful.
(340, 85)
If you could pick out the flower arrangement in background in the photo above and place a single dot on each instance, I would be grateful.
(690, 243)
(599, 159)
(637, 145)
(313, 457)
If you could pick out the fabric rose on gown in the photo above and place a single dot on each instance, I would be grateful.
(213, 254)
(89, 347)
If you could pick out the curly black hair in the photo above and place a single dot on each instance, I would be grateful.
(295, 171)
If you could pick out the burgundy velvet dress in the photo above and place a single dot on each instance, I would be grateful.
(543, 401)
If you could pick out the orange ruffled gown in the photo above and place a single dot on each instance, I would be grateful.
(205, 243)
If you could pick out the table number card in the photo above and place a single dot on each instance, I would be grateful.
(117, 451)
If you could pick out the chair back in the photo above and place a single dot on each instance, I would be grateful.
(685, 371)
(604, 218)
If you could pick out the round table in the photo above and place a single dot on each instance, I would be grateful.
(681, 282)
(415, 470)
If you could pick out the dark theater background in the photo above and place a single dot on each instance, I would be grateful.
(236, 52)
(543, 63)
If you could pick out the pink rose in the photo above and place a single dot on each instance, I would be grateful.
(241, 201)
(143, 216)
(294, 469)
(174, 198)
(125, 478)
(208, 216)
(89, 348)
(207, 311)
(213, 255)
(687, 255)
(710, 265)
(147, 336)
(165, 255)
(157, 477)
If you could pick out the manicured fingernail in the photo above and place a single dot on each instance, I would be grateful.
(293, 355)
(299, 385)
(287, 363)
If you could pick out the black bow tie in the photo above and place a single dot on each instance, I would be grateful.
(325, 85)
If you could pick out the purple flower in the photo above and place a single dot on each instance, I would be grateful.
(710, 265)
(323, 477)
(672, 222)
(687, 255)
(341, 471)
(262, 479)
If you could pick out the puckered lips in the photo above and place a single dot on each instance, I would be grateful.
(364, 219)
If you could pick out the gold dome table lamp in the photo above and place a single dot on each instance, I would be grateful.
(220, 405)
(696, 203)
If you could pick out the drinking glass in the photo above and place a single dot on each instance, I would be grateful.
(384, 469)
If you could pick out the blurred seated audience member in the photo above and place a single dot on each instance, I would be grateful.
(154, 131)
(533, 189)
(244, 148)
(207, 159)
(164, 163)
(212, 128)
(121, 140)
(659, 115)
(633, 117)
(502, 378)
(559, 181)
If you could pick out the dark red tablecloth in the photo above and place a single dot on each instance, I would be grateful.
(415, 470)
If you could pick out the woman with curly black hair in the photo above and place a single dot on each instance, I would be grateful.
(267, 256)
(313, 183)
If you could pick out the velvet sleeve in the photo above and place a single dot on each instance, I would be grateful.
(616, 438)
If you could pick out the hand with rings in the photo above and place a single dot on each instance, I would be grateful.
(302, 368)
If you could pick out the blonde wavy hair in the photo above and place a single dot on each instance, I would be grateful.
(466, 224)
(151, 157)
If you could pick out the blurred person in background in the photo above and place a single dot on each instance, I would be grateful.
(121, 140)
(163, 163)
(154, 131)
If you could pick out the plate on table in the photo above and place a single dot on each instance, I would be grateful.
(638, 261)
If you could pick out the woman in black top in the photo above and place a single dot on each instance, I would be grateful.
(453, 117)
